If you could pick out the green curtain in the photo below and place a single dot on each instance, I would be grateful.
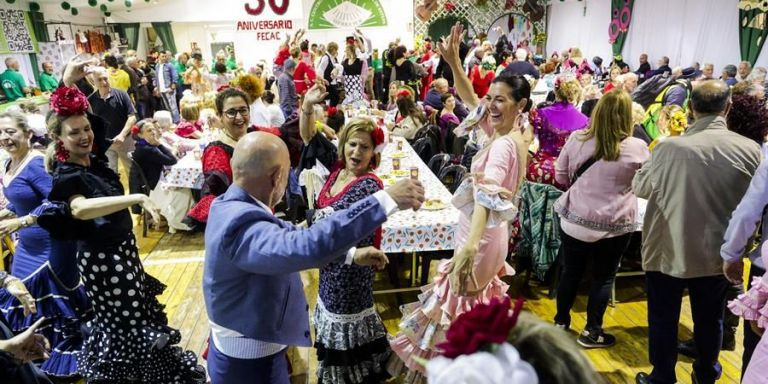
(752, 33)
(621, 17)
(131, 33)
(165, 34)
(35, 68)
(38, 26)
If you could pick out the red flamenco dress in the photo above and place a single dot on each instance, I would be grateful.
(218, 177)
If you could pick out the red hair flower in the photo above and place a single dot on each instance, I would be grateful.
(331, 111)
(135, 130)
(378, 136)
(484, 324)
(66, 101)
(350, 41)
(403, 93)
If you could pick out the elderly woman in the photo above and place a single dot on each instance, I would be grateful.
(46, 266)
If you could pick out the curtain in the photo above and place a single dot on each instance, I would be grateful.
(131, 32)
(35, 67)
(753, 29)
(38, 26)
(621, 16)
(165, 34)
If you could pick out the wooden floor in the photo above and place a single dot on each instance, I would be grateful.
(177, 260)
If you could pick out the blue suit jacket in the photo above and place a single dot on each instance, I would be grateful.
(170, 76)
(251, 282)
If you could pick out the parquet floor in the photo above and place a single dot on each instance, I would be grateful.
(177, 260)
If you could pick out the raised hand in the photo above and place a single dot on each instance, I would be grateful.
(408, 194)
(316, 94)
(449, 46)
(76, 69)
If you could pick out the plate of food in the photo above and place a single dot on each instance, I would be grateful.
(398, 155)
(400, 172)
(387, 179)
(434, 205)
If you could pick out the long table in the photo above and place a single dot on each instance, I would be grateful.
(417, 231)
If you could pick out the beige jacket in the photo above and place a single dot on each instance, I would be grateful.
(693, 183)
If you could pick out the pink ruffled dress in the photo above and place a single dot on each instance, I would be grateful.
(425, 322)
(753, 306)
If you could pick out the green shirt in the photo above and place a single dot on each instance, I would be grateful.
(378, 65)
(181, 69)
(48, 82)
(231, 63)
(13, 84)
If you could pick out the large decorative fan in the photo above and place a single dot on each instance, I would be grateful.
(347, 15)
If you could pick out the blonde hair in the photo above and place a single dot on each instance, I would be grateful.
(190, 112)
(569, 89)
(611, 123)
(252, 86)
(551, 352)
(358, 124)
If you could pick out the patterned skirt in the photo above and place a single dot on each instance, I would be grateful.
(64, 307)
(129, 339)
(353, 87)
(351, 348)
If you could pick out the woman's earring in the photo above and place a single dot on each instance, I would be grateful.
(61, 153)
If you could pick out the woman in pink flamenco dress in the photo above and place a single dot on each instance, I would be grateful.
(471, 276)
(753, 306)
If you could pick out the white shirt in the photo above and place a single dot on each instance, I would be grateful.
(260, 114)
(161, 78)
(234, 344)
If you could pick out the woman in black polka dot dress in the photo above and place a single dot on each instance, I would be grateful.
(128, 340)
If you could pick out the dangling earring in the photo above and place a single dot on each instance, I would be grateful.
(61, 153)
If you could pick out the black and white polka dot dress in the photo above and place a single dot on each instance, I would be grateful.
(128, 339)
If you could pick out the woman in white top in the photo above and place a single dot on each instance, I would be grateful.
(276, 117)
(413, 117)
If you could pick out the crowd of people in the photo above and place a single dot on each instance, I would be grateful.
(587, 139)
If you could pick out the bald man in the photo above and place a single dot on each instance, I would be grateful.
(692, 183)
(253, 292)
(12, 81)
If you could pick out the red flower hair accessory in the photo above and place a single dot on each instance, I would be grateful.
(331, 111)
(350, 41)
(66, 101)
(135, 130)
(377, 135)
(484, 324)
(403, 93)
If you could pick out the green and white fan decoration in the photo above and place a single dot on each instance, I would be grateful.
(328, 14)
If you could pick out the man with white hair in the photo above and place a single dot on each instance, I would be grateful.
(521, 66)
(12, 81)
(757, 76)
(744, 69)
(628, 82)
(48, 81)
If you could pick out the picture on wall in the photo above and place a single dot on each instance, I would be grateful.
(329, 14)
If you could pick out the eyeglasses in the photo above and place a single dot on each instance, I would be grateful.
(232, 113)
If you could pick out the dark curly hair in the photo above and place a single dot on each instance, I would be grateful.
(748, 117)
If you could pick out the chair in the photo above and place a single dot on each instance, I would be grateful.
(438, 162)
(451, 176)
(7, 250)
(137, 183)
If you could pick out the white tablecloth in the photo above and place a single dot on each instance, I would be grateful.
(186, 173)
(409, 231)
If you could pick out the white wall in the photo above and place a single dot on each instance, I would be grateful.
(250, 50)
(706, 31)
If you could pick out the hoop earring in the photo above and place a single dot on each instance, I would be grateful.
(61, 153)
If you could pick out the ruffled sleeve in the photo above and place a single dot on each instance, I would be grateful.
(752, 304)
(56, 218)
(67, 185)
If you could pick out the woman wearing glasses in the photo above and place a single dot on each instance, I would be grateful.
(233, 110)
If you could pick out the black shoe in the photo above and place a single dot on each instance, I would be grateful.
(643, 378)
(688, 348)
(595, 340)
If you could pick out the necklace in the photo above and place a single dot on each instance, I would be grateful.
(13, 168)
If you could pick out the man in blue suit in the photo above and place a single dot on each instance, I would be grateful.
(253, 293)
(167, 77)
